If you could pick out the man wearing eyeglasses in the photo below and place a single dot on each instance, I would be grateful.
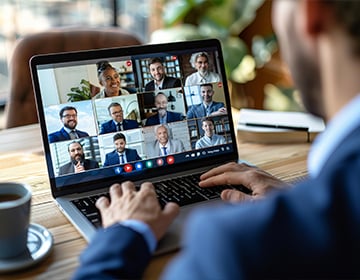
(68, 116)
(117, 123)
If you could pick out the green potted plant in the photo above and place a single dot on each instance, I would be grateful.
(81, 92)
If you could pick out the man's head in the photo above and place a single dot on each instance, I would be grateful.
(305, 30)
(68, 116)
(156, 68)
(162, 134)
(119, 142)
(207, 92)
(116, 112)
(161, 103)
(109, 78)
(208, 126)
(200, 61)
(76, 152)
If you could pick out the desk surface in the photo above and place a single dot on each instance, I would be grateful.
(22, 160)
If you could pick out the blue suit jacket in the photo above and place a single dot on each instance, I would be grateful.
(113, 157)
(198, 111)
(110, 126)
(309, 231)
(170, 117)
(62, 135)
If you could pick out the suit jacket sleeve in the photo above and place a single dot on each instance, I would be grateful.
(107, 160)
(66, 169)
(117, 252)
(150, 86)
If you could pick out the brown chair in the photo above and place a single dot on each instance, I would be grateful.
(20, 108)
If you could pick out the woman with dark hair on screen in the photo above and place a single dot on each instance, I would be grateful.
(109, 78)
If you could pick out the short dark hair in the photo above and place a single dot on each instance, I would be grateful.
(347, 14)
(207, 119)
(73, 142)
(207, 85)
(119, 136)
(113, 104)
(66, 108)
(155, 60)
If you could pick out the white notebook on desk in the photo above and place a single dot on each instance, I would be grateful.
(266, 126)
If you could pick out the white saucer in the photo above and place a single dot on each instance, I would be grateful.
(39, 245)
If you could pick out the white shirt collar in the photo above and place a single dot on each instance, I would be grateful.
(336, 131)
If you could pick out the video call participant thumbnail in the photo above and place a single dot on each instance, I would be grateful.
(117, 123)
(163, 115)
(160, 79)
(77, 163)
(68, 117)
(121, 154)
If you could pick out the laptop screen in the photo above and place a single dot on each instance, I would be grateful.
(132, 113)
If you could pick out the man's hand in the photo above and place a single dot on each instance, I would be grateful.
(126, 203)
(255, 179)
(221, 111)
(79, 167)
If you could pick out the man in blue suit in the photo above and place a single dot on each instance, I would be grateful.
(68, 116)
(161, 81)
(120, 155)
(163, 115)
(208, 107)
(311, 230)
(117, 123)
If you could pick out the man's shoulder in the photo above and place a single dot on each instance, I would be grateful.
(113, 152)
(106, 124)
(149, 86)
(129, 121)
(91, 161)
(56, 133)
(65, 166)
(175, 115)
(172, 80)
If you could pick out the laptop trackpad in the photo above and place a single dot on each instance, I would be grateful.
(172, 239)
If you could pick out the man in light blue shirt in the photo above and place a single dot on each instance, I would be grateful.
(210, 138)
(311, 230)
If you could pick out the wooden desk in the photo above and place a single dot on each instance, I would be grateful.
(21, 160)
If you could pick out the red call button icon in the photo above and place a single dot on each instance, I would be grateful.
(128, 168)
(170, 160)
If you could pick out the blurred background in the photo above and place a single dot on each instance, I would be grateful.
(256, 74)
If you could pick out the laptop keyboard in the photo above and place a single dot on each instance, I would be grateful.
(182, 190)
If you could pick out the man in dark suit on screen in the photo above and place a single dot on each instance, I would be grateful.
(161, 81)
(121, 155)
(77, 163)
(117, 123)
(163, 115)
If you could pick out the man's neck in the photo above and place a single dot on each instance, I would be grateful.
(340, 79)
(159, 82)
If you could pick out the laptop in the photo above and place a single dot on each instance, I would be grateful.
(71, 80)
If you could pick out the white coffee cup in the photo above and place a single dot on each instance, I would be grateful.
(15, 202)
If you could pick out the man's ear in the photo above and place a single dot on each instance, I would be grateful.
(318, 15)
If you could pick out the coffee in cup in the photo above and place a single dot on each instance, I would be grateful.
(15, 201)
